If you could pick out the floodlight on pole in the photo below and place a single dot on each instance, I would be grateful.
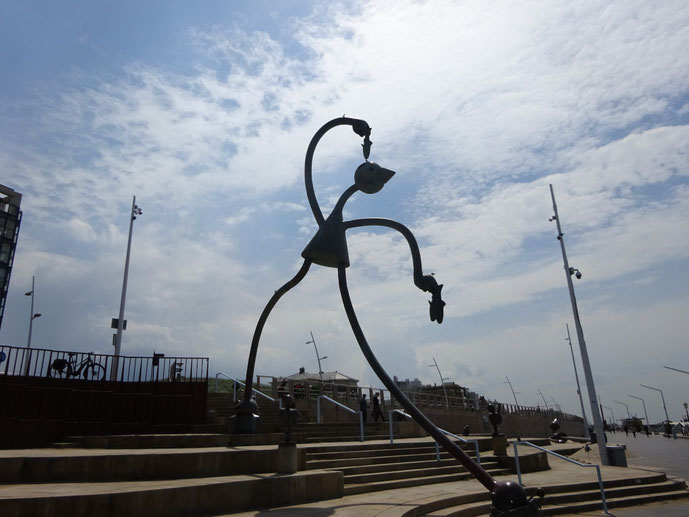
(442, 381)
(644, 404)
(514, 393)
(629, 416)
(32, 316)
(541, 394)
(320, 370)
(136, 211)
(676, 369)
(614, 422)
(588, 375)
(667, 418)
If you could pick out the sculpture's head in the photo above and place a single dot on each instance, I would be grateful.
(371, 177)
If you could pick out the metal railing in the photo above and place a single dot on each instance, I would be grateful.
(390, 416)
(348, 409)
(61, 364)
(597, 467)
(234, 386)
(463, 440)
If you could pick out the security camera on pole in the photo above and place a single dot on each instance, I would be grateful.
(121, 324)
(569, 272)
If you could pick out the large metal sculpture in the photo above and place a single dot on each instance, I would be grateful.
(328, 248)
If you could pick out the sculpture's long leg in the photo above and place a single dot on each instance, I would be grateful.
(479, 473)
(248, 390)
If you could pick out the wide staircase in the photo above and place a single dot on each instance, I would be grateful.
(567, 498)
(384, 466)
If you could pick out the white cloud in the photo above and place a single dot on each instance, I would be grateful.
(477, 106)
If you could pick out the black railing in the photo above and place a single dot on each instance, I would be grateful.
(40, 362)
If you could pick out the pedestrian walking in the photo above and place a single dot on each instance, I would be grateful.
(376, 409)
(363, 406)
(626, 430)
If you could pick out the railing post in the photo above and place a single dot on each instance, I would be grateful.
(361, 426)
(478, 454)
(602, 491)
(390, 425)
(516, 463)
(318, 409)
(437, 451)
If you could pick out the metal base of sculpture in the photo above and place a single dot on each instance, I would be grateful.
(328, 248)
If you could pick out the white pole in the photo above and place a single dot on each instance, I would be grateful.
(667, 418)
(442, 383)
(32, 317)
(320, 370)
(590, 387)
(576, 376)
(120, 321)
(644, 404)
(513, 393)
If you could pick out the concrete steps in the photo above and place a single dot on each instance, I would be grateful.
(383, 466)
(568, 499)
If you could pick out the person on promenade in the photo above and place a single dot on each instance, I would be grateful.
(363, 405)
(376, 409)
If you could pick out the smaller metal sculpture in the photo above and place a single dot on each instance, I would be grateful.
(289, 416)
(495, 418)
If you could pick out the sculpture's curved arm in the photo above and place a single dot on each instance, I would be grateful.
(248, 389)
(479, 473)
(360, 127)
(426, 283)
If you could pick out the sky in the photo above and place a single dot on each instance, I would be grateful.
(204, 111)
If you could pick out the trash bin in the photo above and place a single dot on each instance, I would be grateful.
(617, 456)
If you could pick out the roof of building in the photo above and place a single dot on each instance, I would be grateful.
(327, 377)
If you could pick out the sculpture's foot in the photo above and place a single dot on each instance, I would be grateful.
(245, 419)
(509, 500)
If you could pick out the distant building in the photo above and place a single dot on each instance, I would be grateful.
(408, 386)
(10, 219)
(328, 377)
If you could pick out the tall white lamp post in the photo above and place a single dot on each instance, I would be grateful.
(588, 375)
(33, 315)
(136, 211)
(318, 357)
(442, 382)
(667, 418)
(644, 404)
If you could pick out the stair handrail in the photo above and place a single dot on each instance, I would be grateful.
(399, 412)
(234, 387)
(463, 440)
(346, 408)
(596, 466)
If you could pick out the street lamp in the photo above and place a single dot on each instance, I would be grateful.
(136, 211)
(614, 422)
(644, 404)
(588, 375)
(32, 316)
(676, 369)
(541, 394)
(442, 382)
(514, 394)
(629, 417)
(576, 376)
(667, 418)
(320, 370)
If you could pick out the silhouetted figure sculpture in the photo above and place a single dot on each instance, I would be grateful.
(328, 248)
